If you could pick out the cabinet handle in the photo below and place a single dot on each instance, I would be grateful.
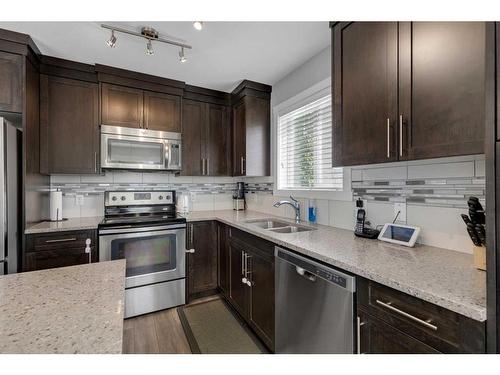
(190, 251)
(425, 323)
(400, 135)
(88, 241)
(358, 334)
(241, 165)
(208, 166)
(61, 240)
(203, 166)
(191, 235)
(95, 162)
(388, 138)
(243, 266)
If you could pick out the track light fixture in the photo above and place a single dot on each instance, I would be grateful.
(112, 40)
(149, 48)
(198, 25)
(150, 34)
(182, 57)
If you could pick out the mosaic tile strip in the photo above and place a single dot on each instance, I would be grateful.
(449, 192)
(71, 189)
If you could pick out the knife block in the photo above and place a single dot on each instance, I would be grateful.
(479, 257)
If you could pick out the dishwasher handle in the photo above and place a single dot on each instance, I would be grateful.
(306, 274)
(309, 269)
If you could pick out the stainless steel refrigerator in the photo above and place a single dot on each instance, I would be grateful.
(10, 167)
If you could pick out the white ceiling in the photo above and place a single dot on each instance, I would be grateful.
(223, 53)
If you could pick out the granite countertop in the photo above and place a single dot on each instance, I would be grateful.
(77, 223)
(444, 277)
(76, 309)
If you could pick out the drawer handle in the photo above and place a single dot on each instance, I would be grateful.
(61, 240)
(425, 323)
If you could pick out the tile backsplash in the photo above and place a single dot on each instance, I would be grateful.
(435, 192)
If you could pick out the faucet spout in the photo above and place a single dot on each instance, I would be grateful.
(294, 203)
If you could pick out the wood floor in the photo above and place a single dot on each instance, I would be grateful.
(157, 333)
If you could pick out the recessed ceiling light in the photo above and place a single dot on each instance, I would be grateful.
(198, 25)
(112, 40)
(149, 48)
(182, 57)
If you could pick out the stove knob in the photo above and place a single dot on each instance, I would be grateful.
(114, 198)
(160, 197)
(123, 197)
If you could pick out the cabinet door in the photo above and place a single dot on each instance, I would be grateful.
(11, 78)
(365, 89)
(193, 137)
(376, 337)
(162, 112)
(261, 313)
(218, 146)
(121, 106)
(442, 68)
(61, 257)
(239, 139)
(69, 125)
(202, 264)
(224, 259)
(238, 293)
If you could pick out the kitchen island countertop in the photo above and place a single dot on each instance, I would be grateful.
(76, 309)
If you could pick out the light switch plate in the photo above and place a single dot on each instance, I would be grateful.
(401, 207)
(79, 200)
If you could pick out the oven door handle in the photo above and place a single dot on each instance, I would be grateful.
(132, 229)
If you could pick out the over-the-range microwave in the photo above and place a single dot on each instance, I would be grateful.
(129, 148)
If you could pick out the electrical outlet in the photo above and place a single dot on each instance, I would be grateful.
(79, 200)
(401, 208)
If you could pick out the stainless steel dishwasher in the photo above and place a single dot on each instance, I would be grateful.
(314, 306)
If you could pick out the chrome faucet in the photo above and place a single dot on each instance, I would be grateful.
(295, 204)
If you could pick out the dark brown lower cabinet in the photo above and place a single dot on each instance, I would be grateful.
(377, 337)
(224, 273)
(59, 249)
(202, 264)
(390, 321)
(251, 289)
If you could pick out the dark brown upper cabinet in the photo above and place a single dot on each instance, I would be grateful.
(135, 108)
(11, 76)
(122, 106)
(162, 112)
(206, 139)
(69, 127)
(251, 129)
(407, 91)
(365, 93)
(442, 89)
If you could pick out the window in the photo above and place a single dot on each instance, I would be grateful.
(305, 148)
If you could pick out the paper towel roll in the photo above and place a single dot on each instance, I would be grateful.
(56, 205)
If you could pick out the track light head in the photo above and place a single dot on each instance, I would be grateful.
(112, 40)
(198, 25)
(182, 57)
(149, 48)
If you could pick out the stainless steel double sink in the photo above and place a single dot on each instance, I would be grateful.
(279, 226)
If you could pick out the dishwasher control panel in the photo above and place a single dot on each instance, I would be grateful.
(334, 278)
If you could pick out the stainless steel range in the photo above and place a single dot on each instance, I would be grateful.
(142, 227)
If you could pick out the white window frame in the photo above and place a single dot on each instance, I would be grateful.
(305, 97)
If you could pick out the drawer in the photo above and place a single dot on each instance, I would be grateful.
(252, 243)
(377, 337)
(433, 325)
(58, 240)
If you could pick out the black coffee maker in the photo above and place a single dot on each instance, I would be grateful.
(239, 202)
